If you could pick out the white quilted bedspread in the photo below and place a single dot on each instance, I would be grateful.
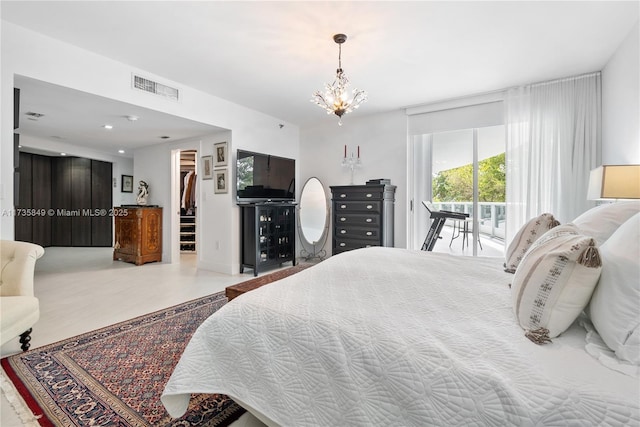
(393, 337)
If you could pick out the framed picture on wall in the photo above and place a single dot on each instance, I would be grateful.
(207, 167)
(221, 181)
(221, 152)
(126, 184)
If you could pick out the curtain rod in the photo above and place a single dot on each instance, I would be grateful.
(496, 94)
(458, 102)
(489, 94)
(563, 79)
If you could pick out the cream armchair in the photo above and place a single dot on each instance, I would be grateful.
(19, 308)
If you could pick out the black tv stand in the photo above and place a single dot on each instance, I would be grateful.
(267, 202)
(268, 231)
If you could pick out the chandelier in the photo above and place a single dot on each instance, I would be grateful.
(336, 99)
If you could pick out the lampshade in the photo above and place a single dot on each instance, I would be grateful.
(614, 182)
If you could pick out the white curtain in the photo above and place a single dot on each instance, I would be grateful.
(553, 141)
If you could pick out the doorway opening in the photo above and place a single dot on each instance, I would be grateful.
(186, 200)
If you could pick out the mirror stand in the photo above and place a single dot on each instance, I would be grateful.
(309, 256)
(313, 220)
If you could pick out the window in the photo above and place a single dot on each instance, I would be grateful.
(461, 170)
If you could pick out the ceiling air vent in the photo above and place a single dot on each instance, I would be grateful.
(150, 86)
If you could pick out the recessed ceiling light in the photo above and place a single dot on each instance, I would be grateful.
(121, 151)
(63, 154)
(107, 126)
(132, 118)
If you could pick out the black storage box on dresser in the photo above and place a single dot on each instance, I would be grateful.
(362, 216)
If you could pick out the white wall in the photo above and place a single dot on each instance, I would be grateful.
(33, 55)
(383, 137)
(620, 103)
(383, 147)
(214, 212)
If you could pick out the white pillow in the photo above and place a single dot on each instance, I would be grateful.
(602, 221)
(554, 282)
(524, 238)
(615, 305)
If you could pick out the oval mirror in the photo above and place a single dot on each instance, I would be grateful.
(313, 211)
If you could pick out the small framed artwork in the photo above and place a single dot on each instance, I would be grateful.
(207, 167)
(221, 153)
(221, 181)
(126, 184)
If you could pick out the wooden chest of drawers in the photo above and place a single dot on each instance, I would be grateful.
(362, 216)
(138, 234)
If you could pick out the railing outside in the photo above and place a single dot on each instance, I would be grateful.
(492, 218)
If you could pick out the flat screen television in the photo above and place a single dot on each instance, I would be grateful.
(263, 177)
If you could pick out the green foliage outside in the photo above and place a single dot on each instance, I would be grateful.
(245, 172)
(456, 185)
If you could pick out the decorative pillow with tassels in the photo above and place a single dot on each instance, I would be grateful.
(554, 282)
(525, 237)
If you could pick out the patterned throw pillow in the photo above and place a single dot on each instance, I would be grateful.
(524, 238)
(554, 282)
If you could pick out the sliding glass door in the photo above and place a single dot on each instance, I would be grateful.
(461, 171)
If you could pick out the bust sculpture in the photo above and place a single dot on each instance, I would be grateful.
(143, 193)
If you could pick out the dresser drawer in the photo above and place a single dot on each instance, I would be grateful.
(342, 245)
(357, 207)
(358, 194)
(347, 219)
(357, 233)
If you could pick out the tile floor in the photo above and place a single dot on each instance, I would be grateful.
(491, 247)
(82, 289)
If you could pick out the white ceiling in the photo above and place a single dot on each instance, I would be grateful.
(77, 118)
(271, 56)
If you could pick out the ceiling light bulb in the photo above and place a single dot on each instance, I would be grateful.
(121, 151)
(107, 127)
(132, 118)
(63, 154)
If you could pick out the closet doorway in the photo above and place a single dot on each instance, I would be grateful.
(188, 204)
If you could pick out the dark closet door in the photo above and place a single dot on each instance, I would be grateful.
(16, 108)
(61, 201)
(24, 223)
(81, 201)
(101, 203)
(66, 200)
(41, 198)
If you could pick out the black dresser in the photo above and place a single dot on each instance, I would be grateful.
(362, 216)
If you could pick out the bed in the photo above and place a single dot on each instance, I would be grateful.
(395, 337)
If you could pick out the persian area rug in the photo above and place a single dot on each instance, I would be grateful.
(114, 376)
